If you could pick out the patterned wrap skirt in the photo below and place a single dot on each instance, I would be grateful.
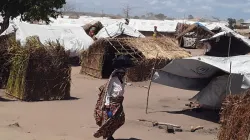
(108, 126)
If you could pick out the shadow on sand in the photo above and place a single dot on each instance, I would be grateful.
(12, 99)
(6, 100)
(68, 99)
(203, 114)
(129, 139)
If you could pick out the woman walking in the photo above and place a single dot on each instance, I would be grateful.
(109, 114)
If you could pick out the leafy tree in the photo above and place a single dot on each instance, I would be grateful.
(136, 17)
(241, 20)
(150, 15)
(160, 16)
(68, 7)
(190, 17)
(143, 16)
(29, 10)
(231, 22)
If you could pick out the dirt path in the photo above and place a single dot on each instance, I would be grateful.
(73, 119)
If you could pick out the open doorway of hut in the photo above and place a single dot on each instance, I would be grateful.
(107, 67)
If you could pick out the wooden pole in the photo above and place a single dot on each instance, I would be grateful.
(150, 82)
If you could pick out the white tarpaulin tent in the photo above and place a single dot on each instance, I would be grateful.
(118, 29)
(229, 32)
(196, 73)
(74, 39)
(148, 25)
(83, 21)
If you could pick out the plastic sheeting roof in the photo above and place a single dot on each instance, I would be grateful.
(74, 39)
(117, 29)
(194, 72)
(83, 21)
(227, 31)
(212, 26)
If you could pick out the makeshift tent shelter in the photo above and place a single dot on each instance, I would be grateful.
(118, 30)
(190, 37)
(196, 73)
(97, 60)
(74, 39)
(227, 43)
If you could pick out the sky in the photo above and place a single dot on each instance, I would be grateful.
(172, 8)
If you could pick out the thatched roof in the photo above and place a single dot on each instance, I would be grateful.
(149, 47)
(164, 47)
(181, 27)
(194, 27)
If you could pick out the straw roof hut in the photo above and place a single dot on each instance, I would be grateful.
(145, 52)
(190, 37)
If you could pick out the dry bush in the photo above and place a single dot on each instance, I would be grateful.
(235, 117)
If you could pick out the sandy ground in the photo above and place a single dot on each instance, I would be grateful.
(196, 52)
(73, 119)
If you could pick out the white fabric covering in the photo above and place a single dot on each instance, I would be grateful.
(74, 39)
(118, 29)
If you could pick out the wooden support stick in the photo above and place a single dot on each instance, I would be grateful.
(150, 82)
(159, 123)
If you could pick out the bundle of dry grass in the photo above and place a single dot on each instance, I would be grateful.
(97, 60)
(181, 27)
(39, 72)
(5, 40)
(235, 117)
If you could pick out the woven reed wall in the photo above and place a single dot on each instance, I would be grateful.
(5, 58)
(39, 72)
(142, 71)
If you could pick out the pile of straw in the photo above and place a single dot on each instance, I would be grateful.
(235, 117)
(5, 40)
(39, 72)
